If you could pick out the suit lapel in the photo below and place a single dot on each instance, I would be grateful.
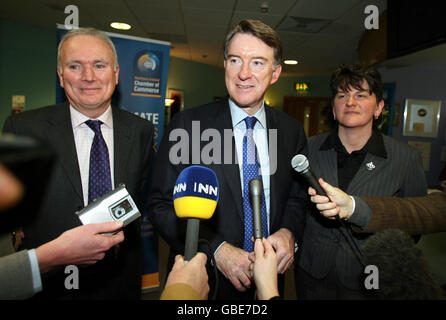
(327, 166)
(122, 145)
(60, 134)
(231, 171)
(271, 123)
(369, 169)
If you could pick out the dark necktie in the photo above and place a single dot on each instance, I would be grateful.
(251, 170)
(99, 178)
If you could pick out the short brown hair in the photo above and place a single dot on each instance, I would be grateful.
(260, 30)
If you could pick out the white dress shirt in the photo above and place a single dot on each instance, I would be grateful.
(260, 136)
(83, 138)
(261, 140)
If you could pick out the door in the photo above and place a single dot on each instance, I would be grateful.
(313, 113)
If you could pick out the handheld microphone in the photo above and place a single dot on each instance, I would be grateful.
(255, 192)
(195, 197)
(301, 165)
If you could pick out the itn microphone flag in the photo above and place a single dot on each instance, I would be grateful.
(195, 194)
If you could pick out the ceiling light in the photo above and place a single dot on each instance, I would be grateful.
(264, 7)
(290, 62)
(120, 25)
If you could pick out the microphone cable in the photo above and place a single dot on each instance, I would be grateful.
(346, 231)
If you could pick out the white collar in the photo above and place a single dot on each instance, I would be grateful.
(238, 114)
(78, 118)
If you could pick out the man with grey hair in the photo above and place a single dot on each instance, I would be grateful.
(99, 146)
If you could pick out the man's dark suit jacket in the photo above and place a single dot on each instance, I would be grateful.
(119, 274)
(399, 174)
(287, 198)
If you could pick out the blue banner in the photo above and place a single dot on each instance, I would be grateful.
(143, 69)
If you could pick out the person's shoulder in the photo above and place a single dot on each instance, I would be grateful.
(280, 115)
(394, 145)
(39, 116)
(284, 122)
(40, 112)
(318, 139)
(208, 109)
(204, 112)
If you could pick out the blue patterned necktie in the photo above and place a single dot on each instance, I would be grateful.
(99, 178)
(251, 170)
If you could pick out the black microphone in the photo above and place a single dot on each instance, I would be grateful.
(301, 165)
(255, 192)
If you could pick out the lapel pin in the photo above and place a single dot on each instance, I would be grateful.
(370, 166)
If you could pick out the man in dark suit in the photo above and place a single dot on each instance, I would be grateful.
(357, 158)
(88, 71)
(252, 63)
(414, 215)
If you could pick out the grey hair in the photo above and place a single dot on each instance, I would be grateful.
(89, 32)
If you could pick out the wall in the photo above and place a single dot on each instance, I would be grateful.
(200, 82)
(425, 82)
(421, 82)
(284, 87)
(27, 65)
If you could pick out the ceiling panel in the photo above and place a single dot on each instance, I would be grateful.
(226, 5)
(206, 17)
(280, 7)
(197, 28)
(322, 9)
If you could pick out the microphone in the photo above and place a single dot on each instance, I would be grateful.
(301, 165)
(255, 192)
(195, 197)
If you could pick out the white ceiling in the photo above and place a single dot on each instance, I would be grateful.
(196, 28)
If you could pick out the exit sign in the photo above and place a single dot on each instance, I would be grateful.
(302, 86)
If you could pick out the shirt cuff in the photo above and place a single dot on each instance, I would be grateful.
(353, 204)
(218, 248)
(361, 213)
(37, 280)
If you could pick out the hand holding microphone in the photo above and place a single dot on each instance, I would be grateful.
(337, 202)
(302, 166)
(195, 197)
